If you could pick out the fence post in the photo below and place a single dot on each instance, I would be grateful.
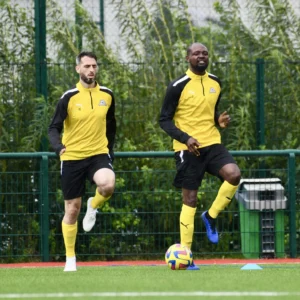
(260, 111)
(260, 99)
(78, 26)
(102, 16)
(40, 47)
(292, 203)
(44, 208)
(41, 81)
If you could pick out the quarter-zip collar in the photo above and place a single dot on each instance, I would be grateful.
(192, 75)
(80, 87)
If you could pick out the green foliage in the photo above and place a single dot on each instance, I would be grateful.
(36, 129)
(16, 34)
(156, 37)
(269, 32)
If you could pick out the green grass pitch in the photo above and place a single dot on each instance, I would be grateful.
(151, 282)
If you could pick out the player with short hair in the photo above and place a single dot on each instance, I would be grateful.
(86, 116)
(190, 115)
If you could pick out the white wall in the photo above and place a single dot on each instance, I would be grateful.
(200, 10)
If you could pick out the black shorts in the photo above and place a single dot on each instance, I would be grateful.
(191, 168)
(75, 172)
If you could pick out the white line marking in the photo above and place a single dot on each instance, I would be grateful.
(151, 294)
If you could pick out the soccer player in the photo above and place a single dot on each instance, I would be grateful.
(86, 115)
(190, 116)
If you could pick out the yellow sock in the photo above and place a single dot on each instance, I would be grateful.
(69, 234)
(225, 194)
(187, 217)
(98, 200)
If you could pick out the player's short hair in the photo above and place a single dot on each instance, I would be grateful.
(189, 49)
(85, 53)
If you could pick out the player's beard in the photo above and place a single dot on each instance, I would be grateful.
(200, 68)
(87, 80)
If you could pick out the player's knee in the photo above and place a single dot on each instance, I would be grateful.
(234, 177)
(107, 189)
(72, 213)
(190, 201)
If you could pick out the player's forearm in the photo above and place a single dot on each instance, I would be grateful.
(55, 140)
(173, 131)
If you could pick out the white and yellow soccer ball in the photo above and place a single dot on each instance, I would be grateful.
(178, 257)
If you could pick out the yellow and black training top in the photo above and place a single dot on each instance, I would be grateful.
(190, 110)
(87, 118)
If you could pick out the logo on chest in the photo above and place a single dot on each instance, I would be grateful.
(102, 103)
(212, 90)
(79, 106)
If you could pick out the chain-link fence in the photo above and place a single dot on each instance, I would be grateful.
(141, 220)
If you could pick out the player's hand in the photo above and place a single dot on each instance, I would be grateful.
(193, 146)
(224, 119)
(63, 150)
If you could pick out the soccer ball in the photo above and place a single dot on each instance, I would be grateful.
(178, 257)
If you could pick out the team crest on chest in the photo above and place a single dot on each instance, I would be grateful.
(212, 90)
(102, 103)
(79, 106)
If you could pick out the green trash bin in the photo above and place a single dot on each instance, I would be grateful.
(261, 206)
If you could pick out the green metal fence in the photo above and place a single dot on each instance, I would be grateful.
(141, 219)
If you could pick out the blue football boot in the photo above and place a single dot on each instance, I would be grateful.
(192, 267)
(211, 231)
